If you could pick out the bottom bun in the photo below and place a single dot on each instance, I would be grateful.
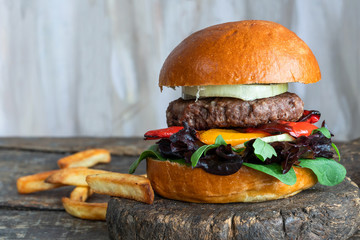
(175, 181)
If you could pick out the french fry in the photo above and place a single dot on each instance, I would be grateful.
(122, 185)
(72, 176)
(86, 158)
(80, 194)
(36, 182)
(84, 210)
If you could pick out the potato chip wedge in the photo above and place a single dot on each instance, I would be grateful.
(122, 185)
(72, 176)
(86, 158)
(80, 194)
(84, 210)
(36, 182)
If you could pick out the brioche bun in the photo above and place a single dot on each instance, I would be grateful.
(245, 52)
(174, 181)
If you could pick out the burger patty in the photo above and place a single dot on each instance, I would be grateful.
(225, 112)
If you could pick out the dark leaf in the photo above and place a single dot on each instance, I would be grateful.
(180, 145)
(221, 160)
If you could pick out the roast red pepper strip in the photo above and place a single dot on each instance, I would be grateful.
(161, 133)
(300, 128)
(310, 116)
(295, 129)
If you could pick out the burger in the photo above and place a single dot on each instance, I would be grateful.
(237, 134)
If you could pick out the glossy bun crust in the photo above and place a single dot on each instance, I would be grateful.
(174, 181)
(245, 52)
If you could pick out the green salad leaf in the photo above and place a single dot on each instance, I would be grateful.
(275, 170)
(220, 141)
(153, 152)
(203, 149)
(263, 150)
(198, 153)
(336, 150)
(328, 171)
(324, 131)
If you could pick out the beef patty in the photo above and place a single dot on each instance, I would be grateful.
(224, 112)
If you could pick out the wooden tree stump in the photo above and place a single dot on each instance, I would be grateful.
(318, 213)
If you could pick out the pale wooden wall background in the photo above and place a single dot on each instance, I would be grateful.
(90, 67)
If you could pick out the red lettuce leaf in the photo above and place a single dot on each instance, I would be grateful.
(288, 153)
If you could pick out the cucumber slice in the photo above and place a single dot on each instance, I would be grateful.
(276, 138)
(246, 92)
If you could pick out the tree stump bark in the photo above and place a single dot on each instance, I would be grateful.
(318, 213)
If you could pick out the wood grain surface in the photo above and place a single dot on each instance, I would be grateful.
(41, 216)
(117, 146)
(318, 213)
(16, 224)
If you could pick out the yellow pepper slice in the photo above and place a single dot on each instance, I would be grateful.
(230, 136)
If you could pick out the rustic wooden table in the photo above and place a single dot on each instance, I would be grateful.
(41, 215)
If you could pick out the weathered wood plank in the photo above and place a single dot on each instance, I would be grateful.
(356, 236)
(14, 164)
(117, 146)
(48, 225)
(319, 213)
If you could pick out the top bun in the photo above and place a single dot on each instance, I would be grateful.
(245, 52)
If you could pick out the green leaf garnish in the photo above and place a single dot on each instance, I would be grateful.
(153, 152)
(263, 150)
(336, 150)
(275, 170)
(220, 141)
(239, 150)
(324, 131)
(203, 150)
(210, 147)
(328, 171)
(197, 154)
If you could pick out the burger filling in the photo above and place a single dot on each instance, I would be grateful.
(276, 158)
(222, 134)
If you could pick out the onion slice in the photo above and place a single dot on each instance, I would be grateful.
(246, 92)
